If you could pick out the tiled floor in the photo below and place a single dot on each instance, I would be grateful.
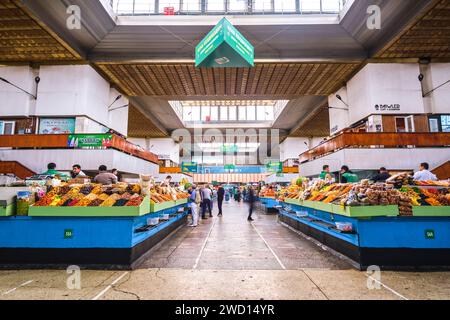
(230, 258)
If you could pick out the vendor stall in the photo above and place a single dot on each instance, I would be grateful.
(91, 226)
(376, 224)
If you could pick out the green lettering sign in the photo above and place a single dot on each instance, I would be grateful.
(430, 235)
(68, 234)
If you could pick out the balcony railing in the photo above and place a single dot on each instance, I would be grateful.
(212, 7)
(60, 141)
(382, 140)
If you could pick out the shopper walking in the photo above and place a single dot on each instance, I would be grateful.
(424, 174)
(194, 201)
(220, 197)
(206, 195)
(251, 203)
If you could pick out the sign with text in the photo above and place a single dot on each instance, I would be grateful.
(275, 167)
(57, 126)
(90, 141)
(224, 47)
(189, 167)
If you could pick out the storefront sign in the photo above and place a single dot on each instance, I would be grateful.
(189, 167)
(90, 141)
(387, 107)
(57, 126)
(229, 167)
(274, 167)
(224, 47)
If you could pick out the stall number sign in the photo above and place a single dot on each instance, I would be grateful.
(224, 47)
(68, 234)
(430, 234)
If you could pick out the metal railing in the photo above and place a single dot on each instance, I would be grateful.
(211, 7)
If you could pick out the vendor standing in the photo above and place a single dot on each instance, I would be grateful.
(325, 172)
(347, 176)
(424, 174)
(104, 177)
(76, 172)
(51, 171)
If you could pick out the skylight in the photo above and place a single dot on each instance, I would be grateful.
(174, 7)
(229, 113)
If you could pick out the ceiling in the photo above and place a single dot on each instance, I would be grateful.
(24, 38)
(269, 80)
(299, 58)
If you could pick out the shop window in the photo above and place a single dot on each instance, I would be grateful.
(7, 127)
(404, 124)
(434, 124)
(445, 123)
(214, 113)
(224, 113)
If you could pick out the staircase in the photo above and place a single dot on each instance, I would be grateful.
(16, 168)
(443, 171)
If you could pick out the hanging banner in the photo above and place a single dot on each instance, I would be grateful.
(90, 141)
(224, 47)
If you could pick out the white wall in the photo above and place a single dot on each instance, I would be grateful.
(162, 146)
(37, 160)
(291, 148)
(118, 119)
(339, 119)
(73, 91)
(86, 125)
(440, 99)
(13, 101)
(385, 84)
(373, 159)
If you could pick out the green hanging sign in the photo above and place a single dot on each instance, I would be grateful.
(224, 47)
(275, 167)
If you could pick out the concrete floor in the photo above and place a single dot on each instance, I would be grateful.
(229, 258)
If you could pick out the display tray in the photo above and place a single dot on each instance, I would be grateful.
(428, 211)
(327, 207)
(7, 211)
(309, 204)
(143, 209)
(366, 211)
(155, 207)
(181, 201)
(294, 201)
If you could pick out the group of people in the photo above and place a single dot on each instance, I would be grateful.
(347, 176)
(201, 200)
(103, 177)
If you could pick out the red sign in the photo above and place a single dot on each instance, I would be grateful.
(169, 11)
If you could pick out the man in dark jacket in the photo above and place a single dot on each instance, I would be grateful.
(251, 202)
(382, 175)
(220, 197)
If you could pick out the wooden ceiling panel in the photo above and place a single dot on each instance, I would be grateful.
(178, 81)
(429, 36)
(317, 126)
(23, 38)
(139, 126)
